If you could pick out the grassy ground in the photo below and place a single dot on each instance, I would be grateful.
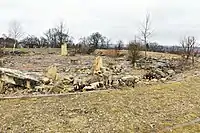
(109, 52)
(149, 54)
(148, 109)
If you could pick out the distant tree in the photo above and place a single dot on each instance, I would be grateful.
(2, 41)
(15, 31)
(7, 42)
(83, 46)
(62, 33)
(120, 45)
(188, 45)
(70, 43)
(51, 37)
(108, 43)
(155, 47)
(96, 40)
(103, 44)
(43, 42)
(146, 32)
(58, 35)
(31, 41)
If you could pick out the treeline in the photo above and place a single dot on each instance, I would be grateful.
(56, 36)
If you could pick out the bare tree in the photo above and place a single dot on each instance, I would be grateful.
(58, 35)
(31, 41)
(15, 31)
(120, 45)
(188, 45)
(134, 51)
(96, 40)
(62, 33)
(83, 45)
(108, 43)
(146, 32)
(49, 36)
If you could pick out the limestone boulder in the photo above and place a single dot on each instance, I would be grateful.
(160, 73)
(171, 72)
(51, 73)
(69, 80)
(129, 80)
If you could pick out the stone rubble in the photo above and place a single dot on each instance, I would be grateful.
(158, 68)
(102, 74)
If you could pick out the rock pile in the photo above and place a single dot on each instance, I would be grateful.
(100, 78)
(158, 68)
(77, 78)
(99, 82)
(80, 75)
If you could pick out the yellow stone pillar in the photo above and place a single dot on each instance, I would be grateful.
(98, 64)
(64, 49)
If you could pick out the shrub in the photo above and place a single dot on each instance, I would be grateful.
(134, 52)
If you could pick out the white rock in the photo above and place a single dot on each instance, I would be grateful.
(95, 85)
(128, 77)
(163, 79)
(46, 80)
(171, 72)
(86, 88)
(154, 80)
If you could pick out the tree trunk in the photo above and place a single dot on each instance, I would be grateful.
(193, 57)
(145, 53)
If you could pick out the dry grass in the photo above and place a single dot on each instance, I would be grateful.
(148, 109)
(162, 55)
(149, 54)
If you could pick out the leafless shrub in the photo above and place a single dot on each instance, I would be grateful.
(134, 52)
(188, 45)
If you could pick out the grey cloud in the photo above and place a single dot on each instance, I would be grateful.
(117, 19)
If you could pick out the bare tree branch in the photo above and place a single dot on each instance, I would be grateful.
(15, 31)
(146, 31)
(188, 45)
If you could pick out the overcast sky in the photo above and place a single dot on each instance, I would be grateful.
(116, 19)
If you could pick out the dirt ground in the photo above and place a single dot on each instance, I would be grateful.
(162, 107)
(37, 60)
(156, 108)
(40, 62)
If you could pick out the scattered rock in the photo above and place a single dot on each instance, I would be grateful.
(88, 88)
(129, 80)
(85, 76)
(45, 80)
(171, 72)
(51, 73)
(18, 78)
(160, 73)
(163, 79)
(154, 80)
(69, 80)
